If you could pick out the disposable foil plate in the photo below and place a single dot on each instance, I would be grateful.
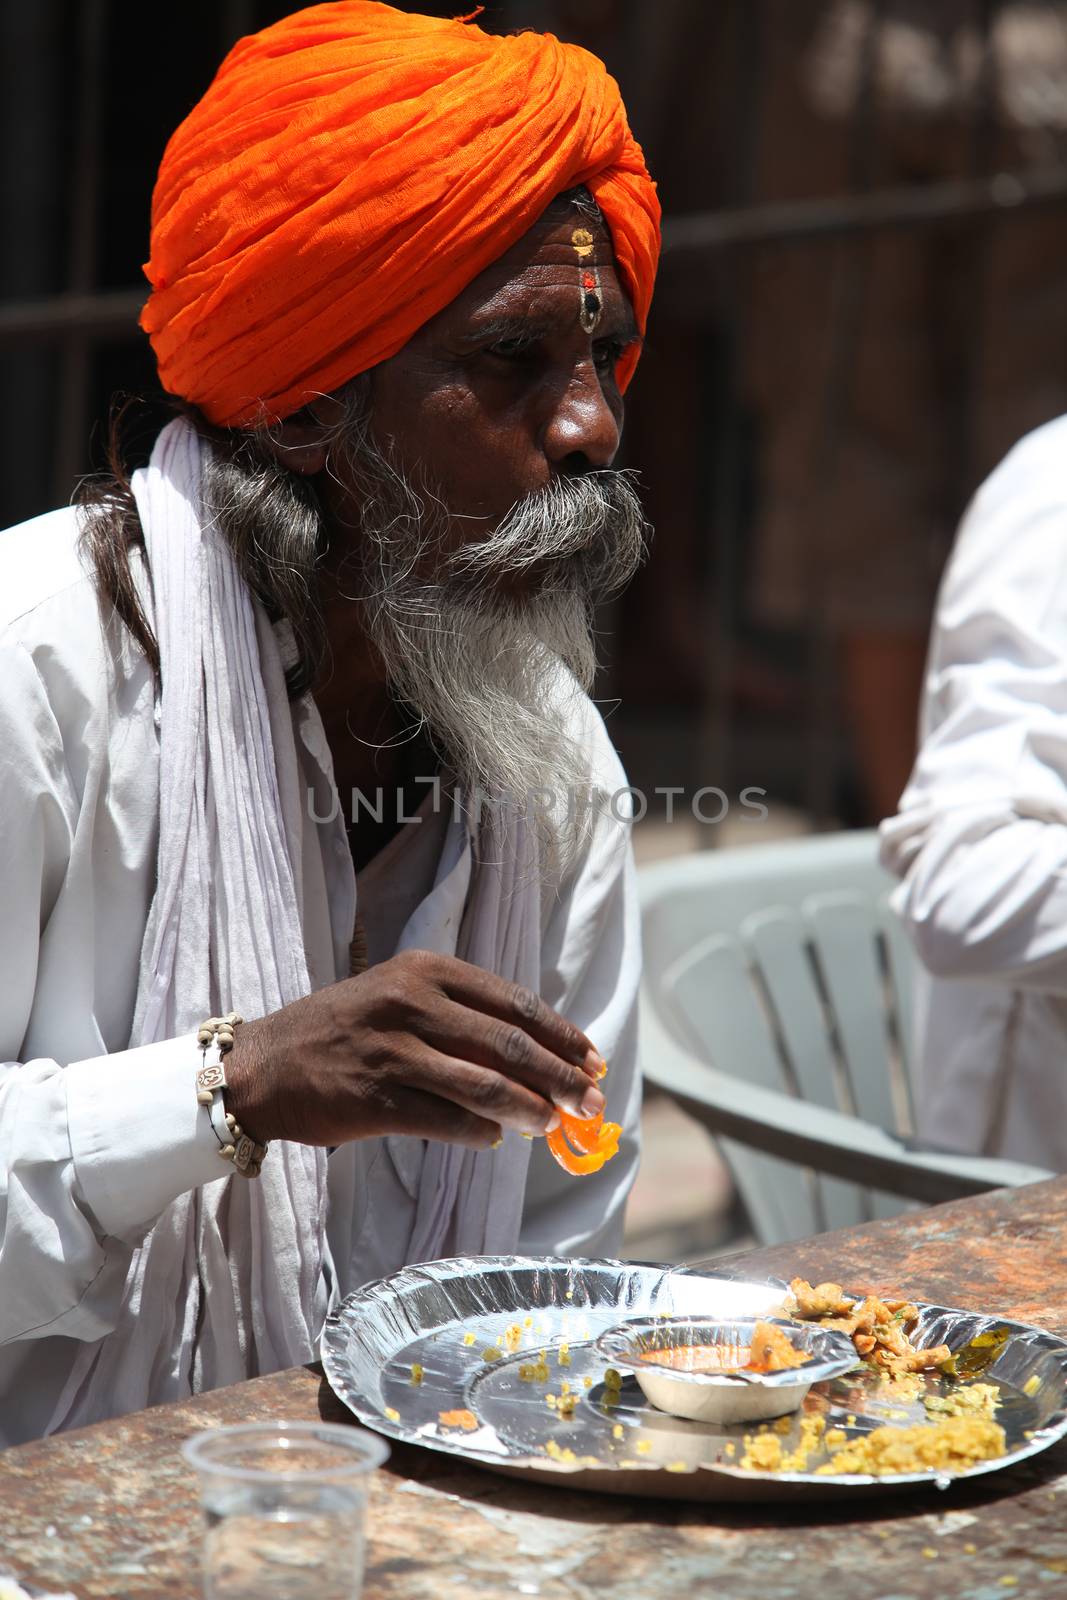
(462, 1335)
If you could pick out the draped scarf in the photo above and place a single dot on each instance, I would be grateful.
(230, 1281)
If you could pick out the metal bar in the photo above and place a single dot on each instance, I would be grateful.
(717, 741)
(112, 314)
(72, 424)
(964, 327)
(237, 19)
(851, 272)
(913, 205)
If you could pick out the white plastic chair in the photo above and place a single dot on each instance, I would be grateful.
(775, 1009)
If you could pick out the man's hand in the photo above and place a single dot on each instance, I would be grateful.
(422, 1044)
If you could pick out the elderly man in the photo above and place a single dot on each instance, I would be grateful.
(400, 271)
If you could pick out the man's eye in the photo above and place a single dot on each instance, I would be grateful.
(511, 349)
(607, 354)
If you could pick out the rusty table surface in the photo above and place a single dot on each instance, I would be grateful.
(112, 1511)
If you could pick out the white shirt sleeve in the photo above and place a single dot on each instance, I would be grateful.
(980, 840)
(591, 968)
(93, 1151)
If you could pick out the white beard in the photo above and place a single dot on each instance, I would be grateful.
(493, 677)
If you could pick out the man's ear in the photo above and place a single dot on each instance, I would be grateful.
(300, 442)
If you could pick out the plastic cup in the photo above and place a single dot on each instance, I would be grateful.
(284, 1506)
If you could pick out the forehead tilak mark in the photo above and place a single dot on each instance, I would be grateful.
(591, 302)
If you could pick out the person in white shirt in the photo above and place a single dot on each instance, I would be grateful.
(358, 572)
(980, 839)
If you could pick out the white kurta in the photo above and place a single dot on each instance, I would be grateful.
(980, 840)
(96, 1139)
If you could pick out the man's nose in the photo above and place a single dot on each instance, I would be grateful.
(583, 431)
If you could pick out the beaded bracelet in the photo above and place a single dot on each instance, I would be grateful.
(215, 1038)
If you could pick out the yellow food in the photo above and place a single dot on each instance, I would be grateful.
(952, 1445)
(763, 1453)
(970, 1399)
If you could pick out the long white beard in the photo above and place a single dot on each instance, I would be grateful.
(491, 676)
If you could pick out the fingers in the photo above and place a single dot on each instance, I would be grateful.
(511, 1002)
(515, 1060)
(417, 1114)
(483, 1092)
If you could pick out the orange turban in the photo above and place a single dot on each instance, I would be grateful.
(349, 171)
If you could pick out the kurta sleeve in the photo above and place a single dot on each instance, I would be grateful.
(90, 1152)
(980, 840)
(591, 968)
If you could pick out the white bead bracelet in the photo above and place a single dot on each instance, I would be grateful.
(215, 1037)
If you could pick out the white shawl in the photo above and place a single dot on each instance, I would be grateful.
(229, 1282)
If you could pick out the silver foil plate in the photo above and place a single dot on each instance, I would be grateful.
(474, 1324)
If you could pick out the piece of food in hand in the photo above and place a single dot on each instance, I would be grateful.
(582, 1145)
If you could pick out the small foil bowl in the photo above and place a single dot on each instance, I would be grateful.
(725, 1396)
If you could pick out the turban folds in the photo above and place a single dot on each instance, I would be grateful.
(350, 170)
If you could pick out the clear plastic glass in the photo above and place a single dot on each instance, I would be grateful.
(284, 1506)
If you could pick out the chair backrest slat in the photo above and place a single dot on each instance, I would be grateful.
(779, 941)
(845, 947)
(784, 965)
(715, 1009)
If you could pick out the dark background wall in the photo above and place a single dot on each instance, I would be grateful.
(817, 400)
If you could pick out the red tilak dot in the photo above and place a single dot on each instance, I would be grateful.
(588, 281)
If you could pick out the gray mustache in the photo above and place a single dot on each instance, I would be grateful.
(591, 528)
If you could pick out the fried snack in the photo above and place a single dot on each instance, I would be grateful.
(594, 1142)
(878, 1328)
(772, 1351)
(828, 1300)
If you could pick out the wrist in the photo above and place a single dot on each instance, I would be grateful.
(246, 1075)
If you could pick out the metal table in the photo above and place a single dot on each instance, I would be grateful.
(111, 1511)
